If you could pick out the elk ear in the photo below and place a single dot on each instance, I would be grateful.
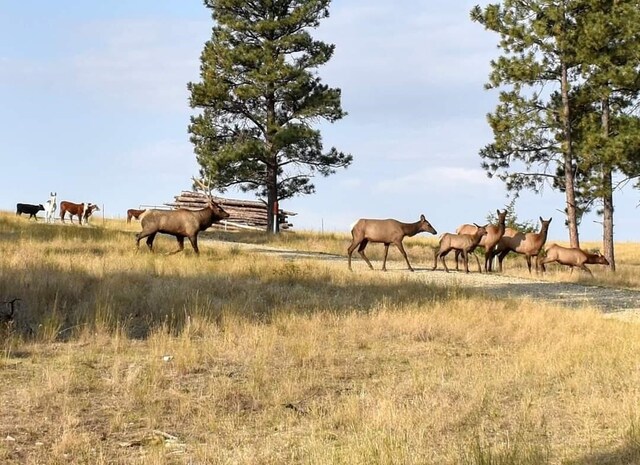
(422, 218)
(498, 212)
(541, 220)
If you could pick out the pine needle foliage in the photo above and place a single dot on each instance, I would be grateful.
(259, 97)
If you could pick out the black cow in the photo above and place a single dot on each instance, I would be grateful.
(29, 209)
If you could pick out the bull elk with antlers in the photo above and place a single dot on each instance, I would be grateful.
(180, 223)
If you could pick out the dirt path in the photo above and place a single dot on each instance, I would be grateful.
(623, 303)
(609, 300)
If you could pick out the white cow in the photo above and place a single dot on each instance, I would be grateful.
(50, 208)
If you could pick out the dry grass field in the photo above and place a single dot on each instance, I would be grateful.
(244, 357)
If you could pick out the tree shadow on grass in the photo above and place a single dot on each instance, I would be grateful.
(628, 454)
(608, 300)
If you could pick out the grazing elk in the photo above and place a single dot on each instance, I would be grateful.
(50, 207)
(29, 209)
(82, 210)
(180, 224)
(388, 232)
(527, 244)
(572, 257)
(464, 243)
(488, 242)
(133, 213)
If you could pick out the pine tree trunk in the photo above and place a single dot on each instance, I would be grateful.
(607, 219)
(607, 197)
(272, 165)
(569, 177)
(272, 200)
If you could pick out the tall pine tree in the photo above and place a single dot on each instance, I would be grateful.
(532, 123)
(608, 48)
(259, 95)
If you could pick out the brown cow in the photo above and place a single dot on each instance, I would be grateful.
(133, 213)
(81, 210)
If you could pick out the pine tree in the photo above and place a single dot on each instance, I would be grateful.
(259, 95)
(608, 48)
(533, 143)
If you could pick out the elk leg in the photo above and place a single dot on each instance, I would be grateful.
(404, 254)
(444, 263)
(465, 258)
(477, 261)
(194, 244)
(457, 253)
(180, 240)
(363, 244)
(350, 250)
(528, 259)
(584, 267)
(543, 262)
(139, 236)
(488, 260)
(384, 260)
(501, 258)
(150, 239)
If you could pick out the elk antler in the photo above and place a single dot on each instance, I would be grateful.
(199, 183)
(206, 188)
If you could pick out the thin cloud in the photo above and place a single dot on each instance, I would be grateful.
(141, 63)
(165, 157)
(438, 179)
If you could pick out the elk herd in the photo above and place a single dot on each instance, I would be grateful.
(495, 239)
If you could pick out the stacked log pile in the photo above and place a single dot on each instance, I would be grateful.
(243, 214)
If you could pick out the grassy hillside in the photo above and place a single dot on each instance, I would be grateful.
(240, 356)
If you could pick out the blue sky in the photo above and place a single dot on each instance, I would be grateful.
(94, 106)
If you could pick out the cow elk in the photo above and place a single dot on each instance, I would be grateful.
(180, 224)
(463, 243)
(527, 244)
(388, 232)
(488, 242)
(572, 257)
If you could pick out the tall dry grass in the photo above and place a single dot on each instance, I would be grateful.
(240, 356)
